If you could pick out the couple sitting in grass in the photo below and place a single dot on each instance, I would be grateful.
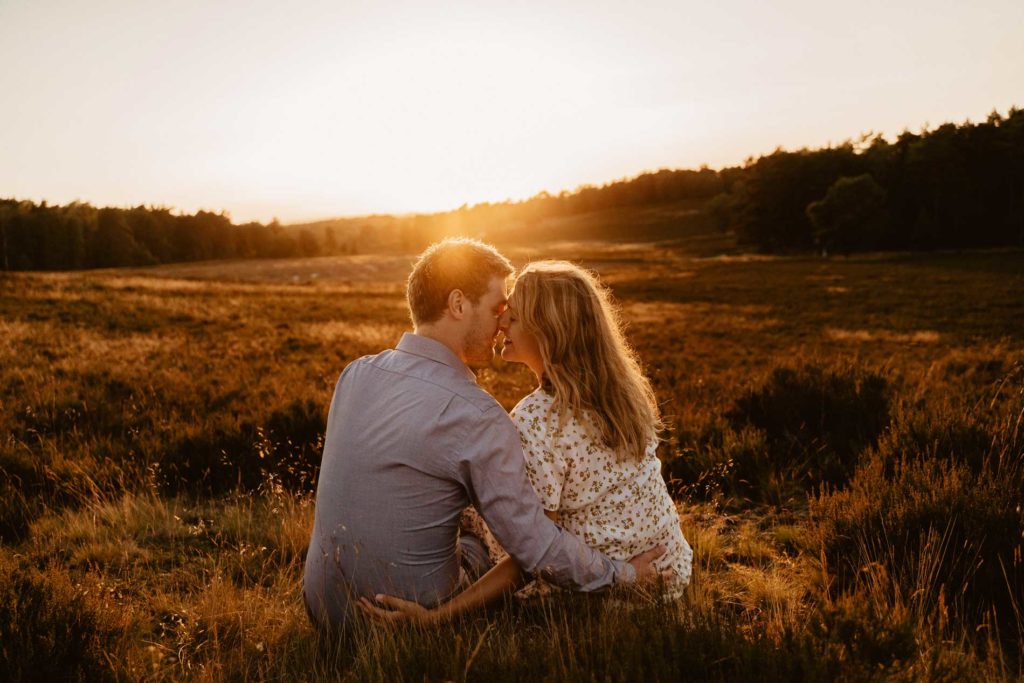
(569, 486)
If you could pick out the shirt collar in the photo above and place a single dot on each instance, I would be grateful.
(418, 345)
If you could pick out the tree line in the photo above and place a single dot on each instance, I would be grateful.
(955, 186)
(952, 187)
(78, 235)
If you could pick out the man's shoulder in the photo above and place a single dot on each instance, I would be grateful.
(474, 397)
(407, 371)
(354, 366)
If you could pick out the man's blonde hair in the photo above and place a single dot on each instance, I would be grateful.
(589, 367)
(460, 263)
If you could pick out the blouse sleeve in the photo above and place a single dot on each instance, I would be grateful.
(545, 467)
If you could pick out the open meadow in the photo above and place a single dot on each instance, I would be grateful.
(846, 446)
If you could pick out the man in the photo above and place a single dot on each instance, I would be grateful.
(412, 440)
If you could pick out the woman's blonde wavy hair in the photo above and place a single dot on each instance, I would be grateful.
(588, 364)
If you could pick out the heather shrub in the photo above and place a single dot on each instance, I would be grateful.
(50, 629)
(19, 467)
(875, 634)
(735, 467)
(816, 421)
(232, 455)
(95, 404)
(30, 483)
(19, 477)
(937, 505)
(947, 430)
(16, 511)
(802, 427)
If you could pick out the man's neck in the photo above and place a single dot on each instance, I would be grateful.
(442, 336)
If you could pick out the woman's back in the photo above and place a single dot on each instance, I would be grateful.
(618, 506)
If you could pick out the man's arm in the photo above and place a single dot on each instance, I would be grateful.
(491, 467)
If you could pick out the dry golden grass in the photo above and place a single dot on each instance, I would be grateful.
(158, 426)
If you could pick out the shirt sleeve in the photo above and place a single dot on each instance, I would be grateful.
(491, 467)
(545, 466)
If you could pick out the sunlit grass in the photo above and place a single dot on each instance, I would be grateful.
(157, 436)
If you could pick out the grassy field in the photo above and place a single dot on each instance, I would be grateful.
(846, 446)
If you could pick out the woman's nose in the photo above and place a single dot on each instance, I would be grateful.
(503, 321)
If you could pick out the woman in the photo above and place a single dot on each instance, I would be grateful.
(588, 433)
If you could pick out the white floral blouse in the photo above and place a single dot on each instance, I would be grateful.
(620, 508)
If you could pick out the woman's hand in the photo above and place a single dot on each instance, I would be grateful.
(400, 611)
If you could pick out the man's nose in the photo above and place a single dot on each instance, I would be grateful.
(503, 321)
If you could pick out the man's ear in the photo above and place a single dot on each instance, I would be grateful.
(457, 303)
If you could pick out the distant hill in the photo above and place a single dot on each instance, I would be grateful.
(682, 221)
(661, 205)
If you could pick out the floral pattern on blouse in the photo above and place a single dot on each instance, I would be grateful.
(620, 508)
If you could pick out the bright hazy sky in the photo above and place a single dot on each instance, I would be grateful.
(303, 110)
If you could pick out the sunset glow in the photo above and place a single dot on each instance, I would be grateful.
(324, 109)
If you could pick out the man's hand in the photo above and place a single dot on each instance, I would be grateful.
(645, 573)
(401, 611)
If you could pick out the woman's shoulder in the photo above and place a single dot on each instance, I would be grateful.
(537, 402)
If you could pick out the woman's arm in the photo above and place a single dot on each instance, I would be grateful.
(503, 578)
